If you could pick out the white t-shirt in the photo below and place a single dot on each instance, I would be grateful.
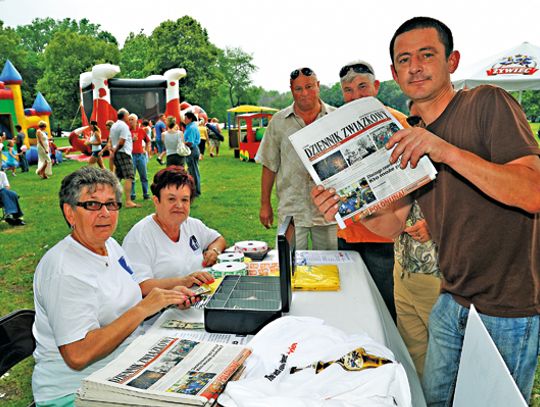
(4, 183)
(119, 130)
(153, 255)
(171, 139)
(300, 342)
(93, 139)
(76, 291)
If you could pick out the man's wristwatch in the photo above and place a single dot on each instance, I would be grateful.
(216, 250)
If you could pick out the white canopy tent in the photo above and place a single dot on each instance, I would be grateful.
(515, 69)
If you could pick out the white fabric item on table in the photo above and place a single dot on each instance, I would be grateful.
(334, 386)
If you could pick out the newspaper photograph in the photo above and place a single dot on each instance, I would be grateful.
(184, 324)
(345, 150)
(168, 369)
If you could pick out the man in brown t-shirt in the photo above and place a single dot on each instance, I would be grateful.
(482, 210)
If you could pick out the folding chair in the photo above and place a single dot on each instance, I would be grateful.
(16, 339)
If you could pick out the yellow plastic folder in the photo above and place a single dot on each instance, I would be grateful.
(316, 278)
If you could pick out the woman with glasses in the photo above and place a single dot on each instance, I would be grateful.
(88, 306)
(169, 248)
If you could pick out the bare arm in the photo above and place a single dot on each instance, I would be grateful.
(210, 255)
(120, 144)
(266, 214)
(102, 341)
(389, 222)
(516, 183)
(195, 278)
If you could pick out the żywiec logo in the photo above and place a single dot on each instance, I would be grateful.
(514, 65)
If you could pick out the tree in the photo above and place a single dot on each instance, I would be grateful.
(237, 67)
(28, 54)
(184, 44)
(272, 98)
(40, 32)
(68, 55)
(332, 95)
(11, 48)
(391, 95)
(136, 56)
(530, 101)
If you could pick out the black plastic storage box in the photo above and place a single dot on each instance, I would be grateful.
(244, 304)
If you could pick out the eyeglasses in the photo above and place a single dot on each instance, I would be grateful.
(305, 71)
(414, 120)
(358, 68)
(96, 205)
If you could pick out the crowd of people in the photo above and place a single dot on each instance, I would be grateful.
(431, 254)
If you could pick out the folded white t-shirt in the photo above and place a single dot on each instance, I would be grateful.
(302, 341)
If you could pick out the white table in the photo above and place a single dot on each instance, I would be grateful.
(356, 307)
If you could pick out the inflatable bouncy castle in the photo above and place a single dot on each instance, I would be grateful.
(12, 111)
(102, 95)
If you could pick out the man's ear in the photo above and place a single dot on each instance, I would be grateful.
(453, 61)
(394, 74)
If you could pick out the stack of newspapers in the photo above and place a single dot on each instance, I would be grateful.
(157, 370)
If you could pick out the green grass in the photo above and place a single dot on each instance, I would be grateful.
(229, 203)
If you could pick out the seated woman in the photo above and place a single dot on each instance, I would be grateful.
(10, 200)
(88, 307)
(168, 248)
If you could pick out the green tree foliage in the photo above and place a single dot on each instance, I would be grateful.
(41, 31)
(136, 56)
(33, 39)
(184, 44)
(272, 98)
(11, 47)
(332, 94)
(237, 67)
(390, 94)
(67, 55)
(530, 101)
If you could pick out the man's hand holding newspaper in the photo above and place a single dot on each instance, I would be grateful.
(349, 153)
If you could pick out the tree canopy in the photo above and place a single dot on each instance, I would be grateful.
(237, 67)
(68, 55)
(51, 54)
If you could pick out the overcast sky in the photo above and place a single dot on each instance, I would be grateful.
(286, 34)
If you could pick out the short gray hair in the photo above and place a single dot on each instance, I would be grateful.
(121, 113)
(351, 74)
(86, 177)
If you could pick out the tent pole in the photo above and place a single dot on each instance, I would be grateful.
(519, 96)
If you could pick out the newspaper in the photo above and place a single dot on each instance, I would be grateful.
(160, 370)
(162, 326)
(345, 150)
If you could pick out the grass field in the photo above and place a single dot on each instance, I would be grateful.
(229, 203)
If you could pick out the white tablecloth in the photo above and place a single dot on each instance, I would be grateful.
(356, 307)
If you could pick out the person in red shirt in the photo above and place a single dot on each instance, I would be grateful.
(141, 148)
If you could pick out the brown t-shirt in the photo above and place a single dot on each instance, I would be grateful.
(489, 253)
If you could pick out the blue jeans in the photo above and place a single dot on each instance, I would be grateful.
(139, 165)
(517, 340)
(192, 162)
(10, 200)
